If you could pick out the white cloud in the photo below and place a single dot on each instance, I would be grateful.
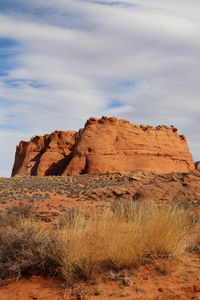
(76, 56)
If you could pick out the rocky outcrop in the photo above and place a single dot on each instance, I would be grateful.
(44, 155)
(104, 145)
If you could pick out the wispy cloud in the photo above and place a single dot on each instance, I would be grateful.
(65, 61)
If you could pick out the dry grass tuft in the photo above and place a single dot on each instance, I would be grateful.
(125, 235)
(71, 219)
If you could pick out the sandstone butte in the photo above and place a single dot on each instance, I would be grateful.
(104, 145)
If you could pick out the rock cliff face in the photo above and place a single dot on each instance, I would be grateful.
(104, 145)
(44, 155)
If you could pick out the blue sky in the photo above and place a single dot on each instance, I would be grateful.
(62, 62)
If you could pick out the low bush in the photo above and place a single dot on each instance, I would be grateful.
(23, 249)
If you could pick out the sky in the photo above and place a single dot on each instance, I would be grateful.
(63, 61)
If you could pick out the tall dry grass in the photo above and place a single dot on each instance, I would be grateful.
(124, 235)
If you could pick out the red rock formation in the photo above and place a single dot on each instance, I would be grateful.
(44, 155)
(104, 145)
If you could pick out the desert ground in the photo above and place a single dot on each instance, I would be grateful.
(48, 199)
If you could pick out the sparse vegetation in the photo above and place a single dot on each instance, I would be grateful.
(123, 236)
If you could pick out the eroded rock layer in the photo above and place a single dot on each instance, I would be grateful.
(104, 145)
(44, 155)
